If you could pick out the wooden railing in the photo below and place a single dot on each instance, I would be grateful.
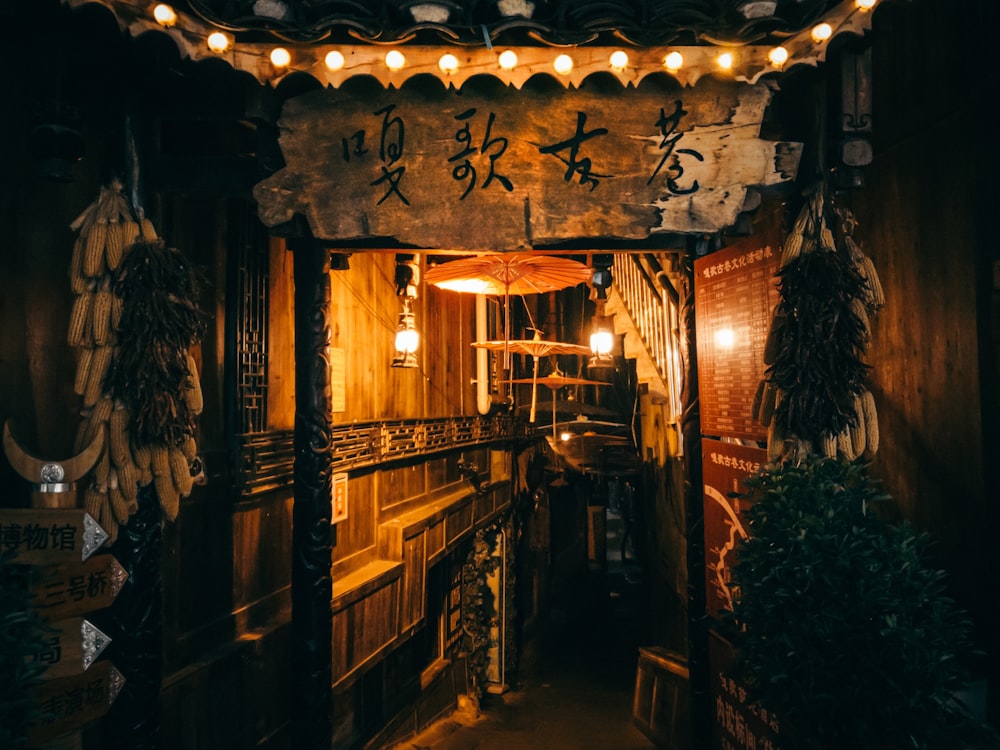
(266, 459)
(652, 303)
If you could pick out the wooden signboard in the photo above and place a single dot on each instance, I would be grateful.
(45, 536)
(734, 294)
(491, 167)
(724, 466)
(64, 591)
(70, 647)
(338, 506)
(738, 725)
(71, 702)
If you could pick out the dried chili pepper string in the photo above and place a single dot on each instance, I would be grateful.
(815, 395)
(160, 322)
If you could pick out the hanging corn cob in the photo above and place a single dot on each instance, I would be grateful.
(815, 395)
(108, 231)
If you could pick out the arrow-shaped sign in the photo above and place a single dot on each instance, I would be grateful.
(68, 703)
(47, 536)
(70, 647)
(62, 591)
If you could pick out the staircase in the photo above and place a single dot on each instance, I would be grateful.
(645, 305)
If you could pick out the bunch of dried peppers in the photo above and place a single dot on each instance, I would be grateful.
(815, 396)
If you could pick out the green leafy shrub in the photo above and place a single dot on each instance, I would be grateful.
(841, 627)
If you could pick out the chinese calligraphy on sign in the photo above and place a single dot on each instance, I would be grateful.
(725, 466)
(49, 536)
(489, 168)
(735, 291)
(739, 724)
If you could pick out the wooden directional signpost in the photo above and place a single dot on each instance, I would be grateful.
(69, 579)
(44, 536)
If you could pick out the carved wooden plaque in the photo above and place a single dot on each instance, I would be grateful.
(493, 168)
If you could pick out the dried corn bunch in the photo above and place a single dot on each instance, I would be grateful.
(107, 232)
(155, 374)
(815, 397)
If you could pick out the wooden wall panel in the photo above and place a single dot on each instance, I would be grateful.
(450, 362)
(440, 471)
(262, 555)
(399, 486)
(483, 505)
(435, 541)
(197, 579)
(928, 224)
(356, 536)
(414, 587)
(364, 316)
(459, 521)
(363, 322)
(281, 340)
(925, 347)
(364, 627)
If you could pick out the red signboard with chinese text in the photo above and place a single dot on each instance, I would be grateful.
(735, 292)
(724, 467)
(738, 724)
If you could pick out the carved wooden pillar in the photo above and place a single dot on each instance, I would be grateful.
(135, 624)
(694, 512)
(312, 534)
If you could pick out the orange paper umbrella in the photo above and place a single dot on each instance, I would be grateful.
(507, 274)
(555, 381)
(536, 347)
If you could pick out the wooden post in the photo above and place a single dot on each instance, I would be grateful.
(53, 488)
(312, 533)
(694, 510)
(73, 740)
(135, 624)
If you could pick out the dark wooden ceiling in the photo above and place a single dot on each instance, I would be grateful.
(488, 22)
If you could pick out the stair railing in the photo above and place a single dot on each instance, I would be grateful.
(653, 304)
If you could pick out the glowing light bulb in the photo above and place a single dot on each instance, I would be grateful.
(821, 32)
(725, 338)
(218, 42)
(507, 59)
(407, 341)
(280, 57)
(563, 64)
(602, 342)
(778, 56)
(394, 60)
(865, 4)
(725, 60)
(164, 15)
(673, 62)
(334, 60)
(448, 63)
(618, 60)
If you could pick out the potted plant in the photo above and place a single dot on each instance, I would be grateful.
(841, 627)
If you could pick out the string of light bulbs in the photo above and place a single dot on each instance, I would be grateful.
(333, 64)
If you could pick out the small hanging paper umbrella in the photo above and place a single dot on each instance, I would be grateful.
(555, 381)
(537, 348)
